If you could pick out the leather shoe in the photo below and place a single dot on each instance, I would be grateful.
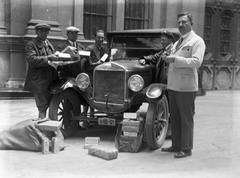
(183, 154)
(171, 149)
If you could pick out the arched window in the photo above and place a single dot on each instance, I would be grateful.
(225, 31)
(208, 29)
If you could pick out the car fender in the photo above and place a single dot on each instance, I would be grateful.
(63, 84)
(155, 91)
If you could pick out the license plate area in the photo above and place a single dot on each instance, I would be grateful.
(106, 121)
(129, 115)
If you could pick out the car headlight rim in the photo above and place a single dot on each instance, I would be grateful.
(135, 83)
(82, 81)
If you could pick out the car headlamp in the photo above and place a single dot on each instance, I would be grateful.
(135, 83)
(82, 81)
(154, 91)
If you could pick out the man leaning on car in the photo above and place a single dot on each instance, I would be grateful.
(156, 59)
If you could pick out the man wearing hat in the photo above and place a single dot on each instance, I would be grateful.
(72, 69)
(156, 59)
(41, 72)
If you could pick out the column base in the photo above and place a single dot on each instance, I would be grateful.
(3, 30)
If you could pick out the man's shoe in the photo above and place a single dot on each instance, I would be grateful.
(171, 149)
(183, 154)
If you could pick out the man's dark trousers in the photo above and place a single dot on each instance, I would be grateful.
(182, 110)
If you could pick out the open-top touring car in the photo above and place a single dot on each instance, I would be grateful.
(118, 89)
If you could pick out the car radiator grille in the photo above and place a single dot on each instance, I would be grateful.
(109, 84)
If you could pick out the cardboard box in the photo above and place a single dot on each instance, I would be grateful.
(49, 126)
(103, 152)
(91, 141)
(45, 145)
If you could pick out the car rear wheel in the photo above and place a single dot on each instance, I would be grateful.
(156, 126)
(62, 108)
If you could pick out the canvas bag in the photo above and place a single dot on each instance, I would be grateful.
(26, 136)
(129, 144)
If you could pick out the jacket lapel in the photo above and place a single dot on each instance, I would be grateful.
(184, 41)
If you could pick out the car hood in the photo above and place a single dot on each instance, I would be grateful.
(126, 64)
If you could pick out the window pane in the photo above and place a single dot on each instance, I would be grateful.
(136, 14)
(95, 16)
(225, 33)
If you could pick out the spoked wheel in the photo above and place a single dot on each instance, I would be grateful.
(62, 108)
(157, 123)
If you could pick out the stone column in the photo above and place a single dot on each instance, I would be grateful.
(2, 18)
(78, 17)
(44, 12)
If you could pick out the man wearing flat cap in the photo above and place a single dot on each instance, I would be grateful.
(156, 59)
(41, 72)
(71, 70)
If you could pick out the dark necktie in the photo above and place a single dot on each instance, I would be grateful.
(179, 43)
(101, 52)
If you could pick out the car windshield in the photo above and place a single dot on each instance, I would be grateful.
(134, 46)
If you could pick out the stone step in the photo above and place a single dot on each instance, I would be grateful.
(14, 94)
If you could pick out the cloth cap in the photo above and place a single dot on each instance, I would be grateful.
(168, 34)
(73, 29)
(42, 26)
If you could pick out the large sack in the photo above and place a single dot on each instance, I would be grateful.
(25, 136)
(129, 143)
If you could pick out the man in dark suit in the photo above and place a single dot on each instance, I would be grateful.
(41, 70)
(156, 59)
(185, 59)
(72, 70)
(97, 50)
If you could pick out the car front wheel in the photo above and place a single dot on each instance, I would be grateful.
(62, 108)
(156, 126)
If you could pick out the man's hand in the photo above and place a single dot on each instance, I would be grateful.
(52, 57)
(53, 64)
(168, 59)
(75, 57)
(142, 61)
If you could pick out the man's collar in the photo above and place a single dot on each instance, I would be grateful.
(187, 34)
(40, 43)
(98, 46)
(71, 42)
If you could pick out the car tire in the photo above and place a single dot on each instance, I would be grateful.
(157, 120)
(62, 108)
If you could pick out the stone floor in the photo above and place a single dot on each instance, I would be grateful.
(215, 155)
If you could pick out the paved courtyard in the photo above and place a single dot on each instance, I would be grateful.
(216, 152)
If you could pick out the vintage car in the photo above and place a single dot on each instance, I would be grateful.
(119, 88)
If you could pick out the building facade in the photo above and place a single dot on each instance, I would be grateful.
(216, 21)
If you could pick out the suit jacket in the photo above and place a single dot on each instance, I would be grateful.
(39, 75)
(95, 55)
(161, 65)
(182, 74)
(71, 70)
(66, 43)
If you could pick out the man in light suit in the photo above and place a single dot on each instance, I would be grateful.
(184, 60)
